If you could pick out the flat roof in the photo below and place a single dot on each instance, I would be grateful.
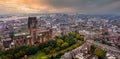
(19, 34)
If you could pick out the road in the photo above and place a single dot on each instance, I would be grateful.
(105, 47)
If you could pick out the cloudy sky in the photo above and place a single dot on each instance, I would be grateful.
(56, 6)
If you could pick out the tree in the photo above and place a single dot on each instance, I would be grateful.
(79, 37)
(1, 48)
(100, 53)
(59, 55)
(20, 48)
(59, 42)
(76, 58)
(64, 45)
(42, 46)
(72, 34)
(119, 46)
(7, 57)
(10, 51)
(52, 43)
(70, 41)
(57, 49)
(19, 54)
(0, 39)
(31, 50)
(105, 33)
(47, 50)
(93, 47)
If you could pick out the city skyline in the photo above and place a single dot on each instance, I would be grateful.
(60, 6)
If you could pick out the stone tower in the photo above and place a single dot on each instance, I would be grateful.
(32, 28)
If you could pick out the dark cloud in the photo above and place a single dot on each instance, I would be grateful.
(81, 6)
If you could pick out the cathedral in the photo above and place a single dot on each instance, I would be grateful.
(32, 37)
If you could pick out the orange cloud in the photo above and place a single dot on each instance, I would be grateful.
(25, 6)
(29, 6)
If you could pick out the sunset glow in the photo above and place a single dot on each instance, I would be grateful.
(50, 6)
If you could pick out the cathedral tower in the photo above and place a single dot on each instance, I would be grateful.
(32, 27)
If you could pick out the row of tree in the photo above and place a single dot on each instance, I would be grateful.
(97, 51)
(19, 52)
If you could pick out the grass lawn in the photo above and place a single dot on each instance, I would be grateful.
(39, 55)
